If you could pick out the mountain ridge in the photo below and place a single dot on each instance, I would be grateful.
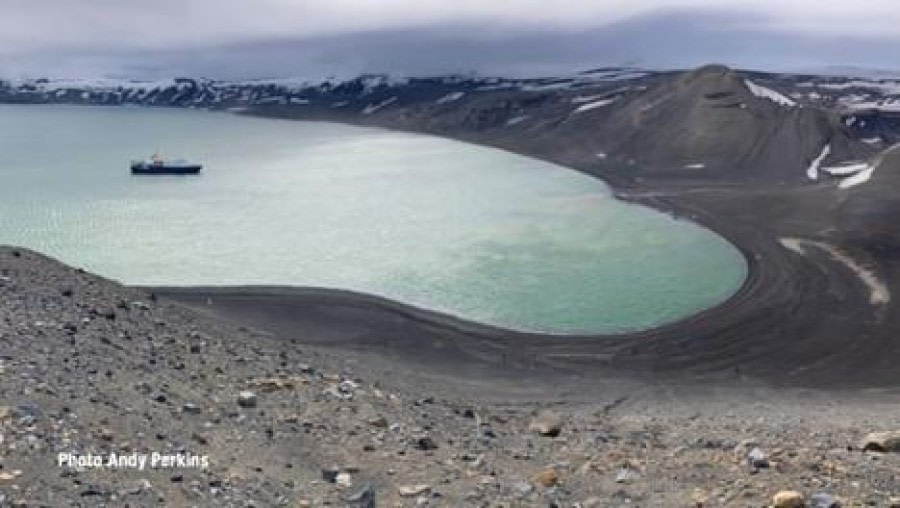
(712, 122)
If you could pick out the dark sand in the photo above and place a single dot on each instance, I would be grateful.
(800, 319)
(803, 318)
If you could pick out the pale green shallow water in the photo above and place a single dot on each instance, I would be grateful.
(475, 232)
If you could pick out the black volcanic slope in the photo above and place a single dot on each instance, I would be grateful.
(711, 117)
(706, 123)
(725, 148)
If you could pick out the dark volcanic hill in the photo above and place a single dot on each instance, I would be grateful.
(711, 120)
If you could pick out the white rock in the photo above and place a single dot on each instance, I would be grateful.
(413, 490)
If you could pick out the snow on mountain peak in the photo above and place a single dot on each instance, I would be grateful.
(768, 93)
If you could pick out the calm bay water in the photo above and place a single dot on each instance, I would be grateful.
(474, 232)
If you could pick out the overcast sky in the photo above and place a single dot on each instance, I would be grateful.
(316, 38)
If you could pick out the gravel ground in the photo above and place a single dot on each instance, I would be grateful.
(91, 367)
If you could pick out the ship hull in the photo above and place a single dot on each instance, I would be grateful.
(145, 169)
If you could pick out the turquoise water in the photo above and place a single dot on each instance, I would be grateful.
(471, 231)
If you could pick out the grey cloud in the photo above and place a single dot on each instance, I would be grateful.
(662, 39)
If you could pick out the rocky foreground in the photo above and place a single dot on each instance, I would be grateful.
(91, 368)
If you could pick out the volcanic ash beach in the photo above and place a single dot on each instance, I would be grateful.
(227, 415)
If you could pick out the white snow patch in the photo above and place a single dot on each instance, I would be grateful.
(289, 84)
(297, 100)
(695, 165)
(494, 87)
(594, 105)
(768, 93)
(601, 155)
(94, 84)
(846, 169)
(581, 99)
(516, 119)
(371, 108)
(564, 84)
(859, 178)
(879, 294)
(884, 86)
(450, 97)
(622, 74)
(860, 103)
(792, 244)
(812, 172)
(849, 121)
(872, 141)
(372, 82)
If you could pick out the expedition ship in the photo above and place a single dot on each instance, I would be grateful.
(159, 166)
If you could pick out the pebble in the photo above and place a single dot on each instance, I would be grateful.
(626, 475)
(343, 479)
(425, 443)
(364, 498)
(330, 474)
(546, 478)
(699, 498)
(788, 499)
(546, 423)
(247, 399)
(757, 460)
(888, 441)
(413, 490)
(824, 500)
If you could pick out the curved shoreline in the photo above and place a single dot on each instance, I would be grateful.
(776, 328)
(788, 323)
(257, 306)
(730, 343)
(461, 323)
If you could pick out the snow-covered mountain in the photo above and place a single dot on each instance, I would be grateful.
(207, 93)
(848, 93)
(714, 121)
